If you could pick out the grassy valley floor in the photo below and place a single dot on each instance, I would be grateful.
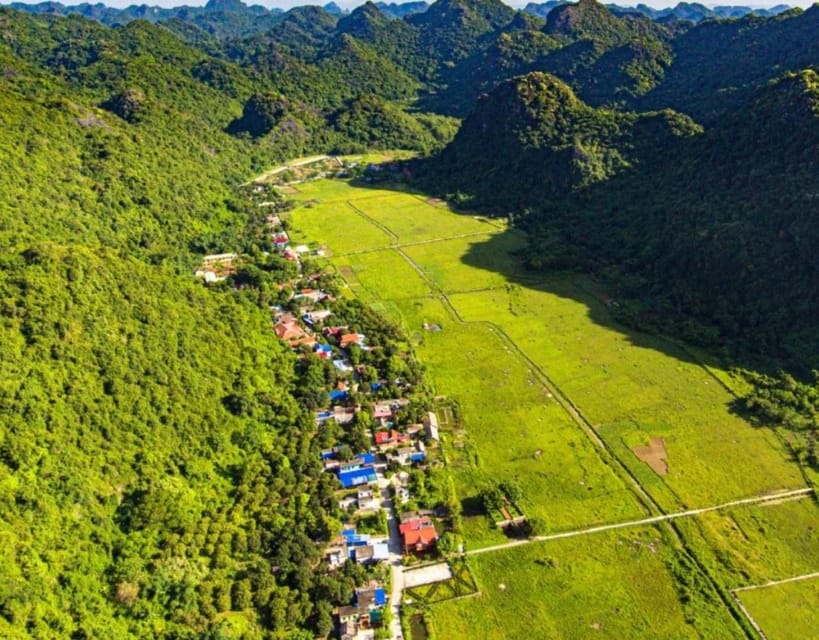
(558, 398)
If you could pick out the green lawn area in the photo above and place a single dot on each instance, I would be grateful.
(759, 543)
(412, 218)
(615, 585)
(786, 611)
(336, 220)
(378, 272)
(444, 262)
(631, 387)
(514, 430)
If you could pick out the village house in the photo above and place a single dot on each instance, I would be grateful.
(289, 330)
(348, 339)
(418, 534)
(336, 555)
(413, 430)
(382, 410)
(313, 295)
(365, 612)
(312, 317)
(354, 475)
(333, 331)
(385, 440)
(406, 456)
(217, 267)
(280, 240)
(323, 351)
(431, 426)
(367, 500)
(344, 415)
(376, 551)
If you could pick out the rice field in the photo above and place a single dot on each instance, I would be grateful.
(510, 342)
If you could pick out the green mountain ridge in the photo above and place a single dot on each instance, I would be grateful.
(546, 143)
(725, 232)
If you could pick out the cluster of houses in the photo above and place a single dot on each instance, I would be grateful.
(365, 612)
(390, 448)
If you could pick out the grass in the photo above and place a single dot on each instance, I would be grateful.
(514, 431)
(785, 611)
(413, 219)
(632, 386)
(609, 586)
(756, 544)
(337, 220)
(461, 584)
(444, 263)
(377, 273)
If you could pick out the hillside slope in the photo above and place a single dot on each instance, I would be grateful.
(532, 140)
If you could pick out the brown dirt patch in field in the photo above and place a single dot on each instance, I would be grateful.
(287, 190)
(653, 455)
(435, 202)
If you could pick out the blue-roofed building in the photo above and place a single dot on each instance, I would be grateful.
(323, 350)
(338, 394)
(418, 456)
(356, 475)
(380, 597)
(365, 458)
(355, 539)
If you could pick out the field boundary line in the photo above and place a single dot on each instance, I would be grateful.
(748, 616)
(373, 221)
(654, 520)
(414, 243)
(774, 583)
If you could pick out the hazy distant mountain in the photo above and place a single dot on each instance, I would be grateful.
(221, 18)
(694, 12)
(394, 10)
(333, 9)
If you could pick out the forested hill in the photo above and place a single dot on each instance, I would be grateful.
(532, 140)
(159, 474)
(711, 232)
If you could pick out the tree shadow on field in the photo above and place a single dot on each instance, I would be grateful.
(496, 254)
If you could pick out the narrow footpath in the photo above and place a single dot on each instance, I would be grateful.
(396, 554)
(646, 521)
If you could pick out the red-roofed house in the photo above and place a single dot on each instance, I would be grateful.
(288, 329)
(351, 338)
(391, 438)
(419, 534)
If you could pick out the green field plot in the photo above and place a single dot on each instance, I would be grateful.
(786, 611)
(461, 584)
(337, 225)
(759, 543)
(413, 218)
(633, 387)
(514, 430)
(444, 262)
(599, 586)
(384, 275)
